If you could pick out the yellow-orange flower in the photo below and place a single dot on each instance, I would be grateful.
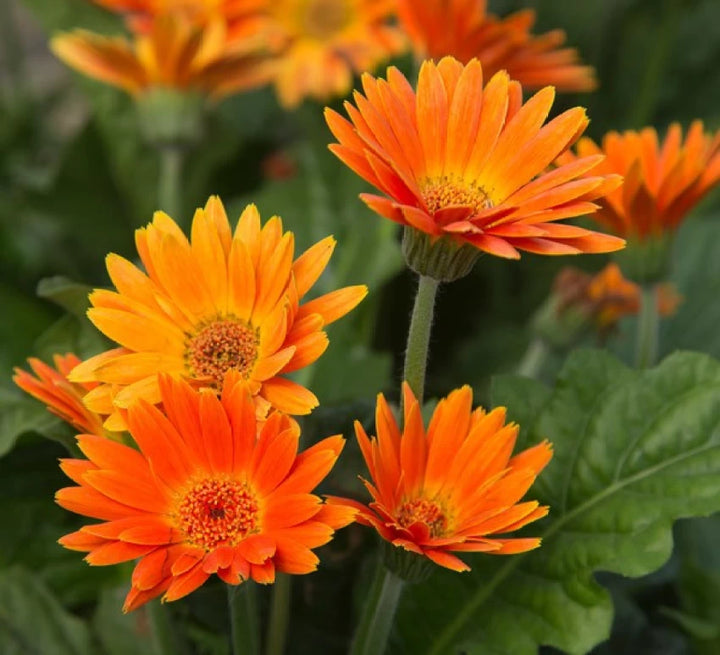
(663, 181)
(205, 492)
(453, 487)
(176, 53)
(463, 29)
(467, 163)
(241, 16)
(321, 43)
(220, 301)
(62, 397)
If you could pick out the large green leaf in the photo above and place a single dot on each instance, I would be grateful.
(633, 452)
(32, 621)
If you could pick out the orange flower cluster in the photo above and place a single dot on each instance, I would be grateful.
(463, 29)
(468, 164)
(222, 300)
(663, 181)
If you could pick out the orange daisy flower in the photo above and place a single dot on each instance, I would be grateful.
(467, 164)
(63, 398)
(663, 181)
(241, 16)
(176, 53)
(321, 43)
(463, 29)
(220, 301)
(454, 487)
(207, 491)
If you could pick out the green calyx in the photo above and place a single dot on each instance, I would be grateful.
(647, 260)
(171, 118)
(443, 259)
(406, 565)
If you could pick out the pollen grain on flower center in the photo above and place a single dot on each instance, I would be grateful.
(439, 193)
(322, 19)
(218, 511)
(220, 346)
(424, 511)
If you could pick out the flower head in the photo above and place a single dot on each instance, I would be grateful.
(63, 398)
(220, 301)
(663, 181)
(462, 163)
(321, 43)
(463, 29)
(207, 491)
(453, 487)
(176, 53)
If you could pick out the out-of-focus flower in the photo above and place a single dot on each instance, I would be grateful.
(176, 54)
(463, 29)
(220, 301)
(279, 165)
(206, 492)
(321, 43)
(242, 17)
(452, 488)
(63, 398)
(460, 164)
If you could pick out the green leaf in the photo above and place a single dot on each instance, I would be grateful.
(120, 633)
(32, 622)
(71, 296)
(633, 452)
(20, 414)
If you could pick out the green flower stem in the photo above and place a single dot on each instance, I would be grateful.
(377, 619)
(532, 362)
(162, 633)
(646, 347)
(169, 183)
(279, 615)
(244, 624)
(416, 354)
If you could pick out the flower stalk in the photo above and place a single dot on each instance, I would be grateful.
(279, 615)
(647, 327)
(244, 624)
(169, 182)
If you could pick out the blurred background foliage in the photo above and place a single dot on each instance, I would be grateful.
(76, 179)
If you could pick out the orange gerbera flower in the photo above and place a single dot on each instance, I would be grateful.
(207, 492)
(663, 182)
(63, 398)
(452, 488)
(221, 301)
(241, 16)
(463, 29)
(176, 53)
(468, 164)
(321, 43)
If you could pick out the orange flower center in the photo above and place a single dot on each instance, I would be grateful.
(321, 19)
(220, 346)
(441, 192)
(423, 511)
(218, 511)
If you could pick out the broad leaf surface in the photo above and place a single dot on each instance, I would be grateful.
(633, 452)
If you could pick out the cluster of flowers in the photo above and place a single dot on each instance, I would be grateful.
(191, 447)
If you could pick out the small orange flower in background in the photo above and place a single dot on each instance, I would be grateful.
(220, 301)
(459, 161)
(463, 29)
(321, 43)
(207, 492)
(663, 181)
(453, 487)
(63, 398)
(176, 53)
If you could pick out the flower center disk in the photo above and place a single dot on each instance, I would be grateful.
(217, 512)
(322, 19)
(423, 511)
(220, 346)
(439, 193)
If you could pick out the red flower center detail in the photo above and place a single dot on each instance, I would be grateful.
(218, 512)
(441, 192)
(220, 346)
(322, 19)
(423, 511)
